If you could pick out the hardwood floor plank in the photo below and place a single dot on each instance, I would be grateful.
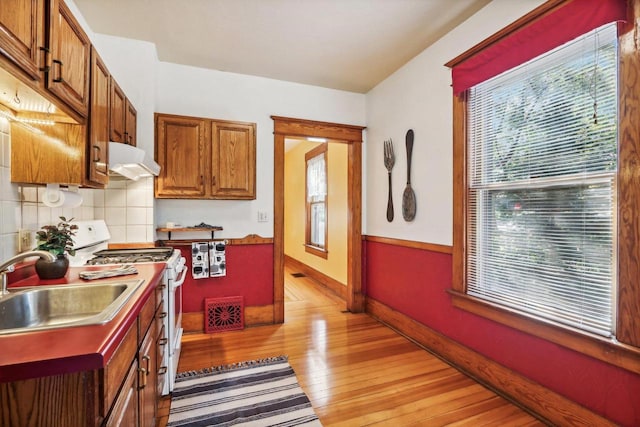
(355, 371)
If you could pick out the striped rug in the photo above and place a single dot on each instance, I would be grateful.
(258, 393)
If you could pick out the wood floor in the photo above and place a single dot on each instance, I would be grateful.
(355, 371)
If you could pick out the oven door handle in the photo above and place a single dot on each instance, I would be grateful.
(180, 281)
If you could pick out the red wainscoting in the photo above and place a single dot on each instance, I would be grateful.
(414, 282)
(249, 274)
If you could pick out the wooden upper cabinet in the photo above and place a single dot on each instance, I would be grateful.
(68, 76)
(118, 112)
(67, 153)
(204, 158)
(123, 116)
(55, 154)
(233, 160)
(98, 146)
(131, 124)
(22, 34)
(182, 152)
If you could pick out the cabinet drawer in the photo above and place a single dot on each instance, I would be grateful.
(145, 317)
(160, 292)
(161, 316)
(118, 366)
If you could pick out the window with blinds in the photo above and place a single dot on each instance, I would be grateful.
(316, 199)
(541, 193)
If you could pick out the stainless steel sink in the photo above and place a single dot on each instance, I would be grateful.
(49, 307)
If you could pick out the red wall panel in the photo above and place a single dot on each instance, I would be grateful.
(414, 282)
(249, 274)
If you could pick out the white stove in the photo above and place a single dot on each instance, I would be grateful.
(91, 244)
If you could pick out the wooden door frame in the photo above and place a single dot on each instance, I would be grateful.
(348, 134)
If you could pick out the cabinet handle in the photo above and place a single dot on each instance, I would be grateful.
(162, 370)
(96, 151)
(147, 359)
(213, 180)
(59, 79)
(162, 315)
(144, 371)
(125, 137)
(163, 341)
(143, 380)
(47, 59)
(161, 287)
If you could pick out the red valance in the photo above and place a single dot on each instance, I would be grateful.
(573, 19)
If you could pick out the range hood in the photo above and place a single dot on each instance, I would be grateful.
(131, 162)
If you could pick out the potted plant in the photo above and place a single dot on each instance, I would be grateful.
(57, 239)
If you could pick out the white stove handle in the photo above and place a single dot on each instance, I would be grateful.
(177, 283)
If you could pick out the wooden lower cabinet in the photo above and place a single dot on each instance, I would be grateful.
(125, 408)
(147, 377)
(123, 393)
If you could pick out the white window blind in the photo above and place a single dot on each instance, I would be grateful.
(541, 194)
(316, 178)
(316, 198)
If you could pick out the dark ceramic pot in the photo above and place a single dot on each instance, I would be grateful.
(52, 270)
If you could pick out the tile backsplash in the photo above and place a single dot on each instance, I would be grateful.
(9, 197)
(126, 206)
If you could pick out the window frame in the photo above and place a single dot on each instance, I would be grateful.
(624, 350)
(320, 251)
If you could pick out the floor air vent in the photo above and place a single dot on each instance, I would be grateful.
(223, 314)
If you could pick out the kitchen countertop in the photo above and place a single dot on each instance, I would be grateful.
(72, 349)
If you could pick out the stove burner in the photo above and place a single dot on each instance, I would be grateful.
(129, 256)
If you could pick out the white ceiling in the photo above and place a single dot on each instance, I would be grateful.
(342, 44)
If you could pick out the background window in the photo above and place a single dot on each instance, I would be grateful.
(316, 201)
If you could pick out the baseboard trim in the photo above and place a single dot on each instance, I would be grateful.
(546, 404)
(330, 283)
(253, 316)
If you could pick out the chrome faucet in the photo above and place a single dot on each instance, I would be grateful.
(8, 266)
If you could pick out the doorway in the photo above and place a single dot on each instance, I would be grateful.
(347, 134)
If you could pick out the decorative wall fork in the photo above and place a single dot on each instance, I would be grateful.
(389, 161)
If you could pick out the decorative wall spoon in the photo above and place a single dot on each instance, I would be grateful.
(409, 197)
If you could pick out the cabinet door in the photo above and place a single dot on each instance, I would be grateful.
(183, 155)
(233, 160)
(118, 101)
(131, 124)
(147, 388)
(99, 123)
(70, 47)
(125, 409)
(22, 34)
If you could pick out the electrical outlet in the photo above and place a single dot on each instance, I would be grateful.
(262, 216)
(24, 240)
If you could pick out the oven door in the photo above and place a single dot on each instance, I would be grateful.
(175, 318)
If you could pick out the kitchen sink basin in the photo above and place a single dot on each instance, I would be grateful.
(49, 307)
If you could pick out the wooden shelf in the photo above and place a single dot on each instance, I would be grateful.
(188, 229)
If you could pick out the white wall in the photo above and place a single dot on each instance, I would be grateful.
(214, 94)
(418, 96)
